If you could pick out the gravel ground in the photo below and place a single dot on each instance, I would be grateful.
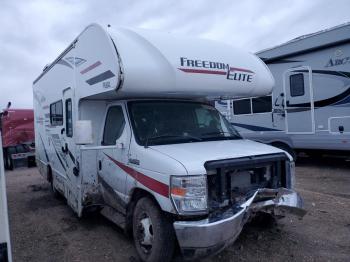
(45, 229)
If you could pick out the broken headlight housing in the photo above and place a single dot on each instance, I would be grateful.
(189, 194)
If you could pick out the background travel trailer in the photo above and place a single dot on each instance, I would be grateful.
(17, 128)
(309, 108)
(5, 249)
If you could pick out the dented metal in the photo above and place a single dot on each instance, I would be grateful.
(211, 235)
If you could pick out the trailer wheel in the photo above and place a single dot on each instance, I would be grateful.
(153, 232)
(5, 161)
(286, 148)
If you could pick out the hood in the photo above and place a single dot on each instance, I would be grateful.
(194, 155)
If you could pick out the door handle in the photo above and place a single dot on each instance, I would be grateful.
(99, 165)
(65, 148)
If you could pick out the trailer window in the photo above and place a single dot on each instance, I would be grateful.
(262, 104)
(297, 85)
(56, 113)
(242, 107)
(114, 125)
(69, 118)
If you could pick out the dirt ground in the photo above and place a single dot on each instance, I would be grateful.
(45, 229)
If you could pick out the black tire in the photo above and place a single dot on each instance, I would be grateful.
(317, 155)
(31, 162)
(160, 244)
(9, 162)
(286, 148)
(5, 162)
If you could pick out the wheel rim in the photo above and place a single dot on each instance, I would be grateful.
(145, 233)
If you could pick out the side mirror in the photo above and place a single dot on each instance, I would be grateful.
(83, 132)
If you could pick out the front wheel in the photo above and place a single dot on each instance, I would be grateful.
(153, 232)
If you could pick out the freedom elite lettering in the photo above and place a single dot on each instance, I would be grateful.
(217, 68)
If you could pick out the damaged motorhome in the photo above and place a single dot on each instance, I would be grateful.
(127, 130)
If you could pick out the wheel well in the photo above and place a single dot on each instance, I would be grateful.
(286, 147)
(277, 143)
(137, 194)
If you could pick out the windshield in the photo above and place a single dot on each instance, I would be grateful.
(171, 122)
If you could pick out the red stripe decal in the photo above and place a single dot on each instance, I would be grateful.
(202, 71)
(147, 181)
(90, 67)
(240, 69)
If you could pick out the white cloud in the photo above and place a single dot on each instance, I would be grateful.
(33, 33)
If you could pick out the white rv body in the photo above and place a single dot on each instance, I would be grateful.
(5, 247)
(318, 117)
(105, 81)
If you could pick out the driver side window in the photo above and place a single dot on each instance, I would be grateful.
(208, 119)
(114, 125)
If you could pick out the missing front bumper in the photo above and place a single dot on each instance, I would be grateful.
(209, 236)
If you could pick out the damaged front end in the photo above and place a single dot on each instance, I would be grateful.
(237, 190)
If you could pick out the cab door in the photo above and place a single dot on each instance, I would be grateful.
(113, 156)
(299, 102)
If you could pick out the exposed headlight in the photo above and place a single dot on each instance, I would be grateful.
(189, 194)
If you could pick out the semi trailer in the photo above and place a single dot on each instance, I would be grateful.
(17, 127)
(128, 131)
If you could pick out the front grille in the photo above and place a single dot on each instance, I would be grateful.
(233, 181)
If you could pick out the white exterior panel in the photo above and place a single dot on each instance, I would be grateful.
(158, 64)
(4, 224)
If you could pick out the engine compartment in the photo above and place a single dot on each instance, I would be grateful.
(232, 181)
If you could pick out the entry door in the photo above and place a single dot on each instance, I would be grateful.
(69, 148)
(298, 102)
(113, 156)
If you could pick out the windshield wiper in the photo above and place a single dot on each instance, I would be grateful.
(221, 133)
(170, 136)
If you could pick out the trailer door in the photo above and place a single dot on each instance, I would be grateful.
(69, 148)
(298, 102)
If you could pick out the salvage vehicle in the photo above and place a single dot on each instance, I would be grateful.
(5, 248)
(128, 131)
(17, 127)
